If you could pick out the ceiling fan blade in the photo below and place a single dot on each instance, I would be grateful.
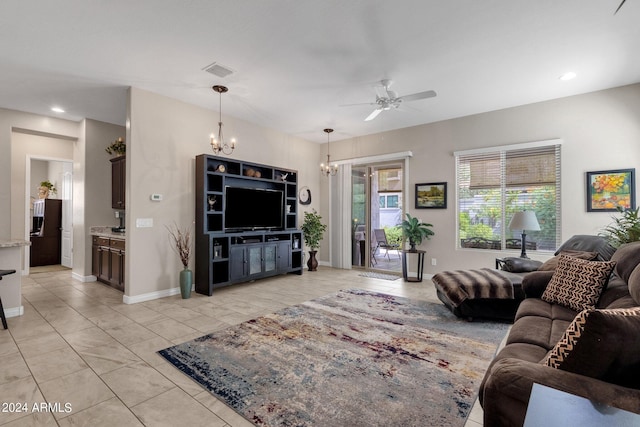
(373, 114)
(417, 96)
(360, 103)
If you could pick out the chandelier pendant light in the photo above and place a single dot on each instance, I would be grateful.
(218, 144)
(328, 169)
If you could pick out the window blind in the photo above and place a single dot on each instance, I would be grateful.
(494, 184)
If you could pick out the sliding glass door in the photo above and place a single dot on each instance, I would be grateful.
(376, 211)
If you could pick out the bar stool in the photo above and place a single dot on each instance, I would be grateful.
(4, 319)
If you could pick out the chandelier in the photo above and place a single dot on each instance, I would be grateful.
(328, 169)
(218, 144)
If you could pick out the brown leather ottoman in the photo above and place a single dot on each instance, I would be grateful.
(483, 293)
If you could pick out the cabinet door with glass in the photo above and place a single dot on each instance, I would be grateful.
(270, 258)
(255, 260)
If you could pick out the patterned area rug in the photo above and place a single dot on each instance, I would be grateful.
(355, 358)
(379, 275)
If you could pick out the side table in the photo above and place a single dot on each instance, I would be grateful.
(420, 257)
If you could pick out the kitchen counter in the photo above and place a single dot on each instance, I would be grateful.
(105, 231)
(11, 252)
(14, 243)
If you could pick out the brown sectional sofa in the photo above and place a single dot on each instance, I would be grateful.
(539, 325)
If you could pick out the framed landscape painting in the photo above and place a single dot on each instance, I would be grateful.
(609, 190)
(431, 195)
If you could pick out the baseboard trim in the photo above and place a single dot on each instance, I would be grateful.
(14, 311)
(83, 279)
(150, 296)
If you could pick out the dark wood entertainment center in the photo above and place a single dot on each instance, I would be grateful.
(226, 255)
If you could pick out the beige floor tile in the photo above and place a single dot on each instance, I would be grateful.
(7, 344)
(45, 367)
(42, 344)
(111, 320)
(207, 324)
(180, 314)
(477, 413)
(34, 419)
(148, 350)
(109, 413)
(139, 313)
(25, 391)
(109, 357)
(136, 383)
(131, 334)
(22, 330)
(88, 338)
(227, 414)
(175, 408)
(171, 329)
(71, 324)
(12, 367)
(75, 392)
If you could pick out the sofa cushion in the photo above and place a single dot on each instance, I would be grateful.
(551, 264)
(634, 285)
(601, 344)
(627, 258)
(582, 242)
(577, 283)
(519, 265)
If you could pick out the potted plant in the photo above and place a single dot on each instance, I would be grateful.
(313, 228)
(414, 230)
(624, 229)
(181, 240)
(117, 147)
(45, 188)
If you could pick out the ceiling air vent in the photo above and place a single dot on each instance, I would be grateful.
(218, 70)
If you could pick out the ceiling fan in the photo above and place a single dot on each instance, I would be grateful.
(387, 99)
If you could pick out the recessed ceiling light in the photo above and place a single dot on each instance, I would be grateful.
(57, 110)
(568, 76)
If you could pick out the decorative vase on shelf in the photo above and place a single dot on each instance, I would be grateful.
(312, 263)
(186, 281)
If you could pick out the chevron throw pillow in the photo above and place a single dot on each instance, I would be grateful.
(577, 283)
(602, 344)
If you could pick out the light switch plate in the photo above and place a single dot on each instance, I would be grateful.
(156, 197)
(144, 222)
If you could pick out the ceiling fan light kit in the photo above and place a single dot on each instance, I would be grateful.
(218, 144)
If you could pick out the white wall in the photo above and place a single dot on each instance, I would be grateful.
(164, 137)
(600, 130)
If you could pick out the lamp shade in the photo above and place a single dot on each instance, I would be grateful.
(525, 220)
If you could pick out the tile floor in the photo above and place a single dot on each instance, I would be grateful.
(93, 359)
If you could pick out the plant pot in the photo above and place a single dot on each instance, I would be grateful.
(186, 281)
(312, 263)
(412, 245)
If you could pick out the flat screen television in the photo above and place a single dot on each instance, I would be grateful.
(253, 209)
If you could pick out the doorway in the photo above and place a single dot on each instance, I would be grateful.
(377, 207)
(60, 174)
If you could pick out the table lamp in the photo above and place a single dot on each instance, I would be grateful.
(525, 220)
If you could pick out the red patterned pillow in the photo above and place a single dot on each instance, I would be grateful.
(577, 283)
(601, 344)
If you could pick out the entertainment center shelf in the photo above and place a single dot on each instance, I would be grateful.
(246, 218)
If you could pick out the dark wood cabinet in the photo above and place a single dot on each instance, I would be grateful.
(118, 180)
(225, 255)
(108, 261)
(46, 234)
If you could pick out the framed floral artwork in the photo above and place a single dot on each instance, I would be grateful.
(431, 195)
(609, 190)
